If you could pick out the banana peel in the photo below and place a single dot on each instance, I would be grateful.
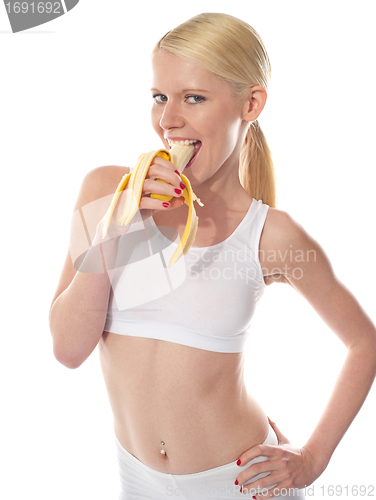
(134, 181)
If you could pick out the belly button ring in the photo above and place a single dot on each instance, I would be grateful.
(163, 451)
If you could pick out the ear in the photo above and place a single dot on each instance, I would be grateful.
(254, 103)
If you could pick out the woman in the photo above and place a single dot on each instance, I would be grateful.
(173, 364)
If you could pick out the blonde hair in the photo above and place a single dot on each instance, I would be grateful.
(233, 51)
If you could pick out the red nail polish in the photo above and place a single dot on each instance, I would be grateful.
(238, 462)
(254, 498)
(177, 172)
(165, 204)
(236, 482)
(178, 191)
(182, 186)
(241, 489)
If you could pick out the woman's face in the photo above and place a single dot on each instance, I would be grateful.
(190, 102)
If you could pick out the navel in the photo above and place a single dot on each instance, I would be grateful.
(163, 452)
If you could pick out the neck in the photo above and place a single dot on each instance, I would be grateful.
(222, 190)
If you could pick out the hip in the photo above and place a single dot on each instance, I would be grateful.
(138, 480)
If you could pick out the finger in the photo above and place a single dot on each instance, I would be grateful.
(165, 163)
(155, 204)
(268, 485)
(165, 171)
(156, 187)
(262, 467)
(264, 450)
(161, 163)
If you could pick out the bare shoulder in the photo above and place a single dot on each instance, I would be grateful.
(96, 191)
(286, 248)
(100, 182)
(282, 231)
(276, 223)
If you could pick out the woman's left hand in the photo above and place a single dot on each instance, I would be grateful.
(289, 467)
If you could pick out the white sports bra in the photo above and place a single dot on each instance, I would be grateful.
(205, 300)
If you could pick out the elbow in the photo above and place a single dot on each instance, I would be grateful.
(71, 346)
(66, 358)
(67, 350)
(365, 350)
(365, 341)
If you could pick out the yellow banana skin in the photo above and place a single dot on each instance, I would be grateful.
(190, 230)
(135, 180)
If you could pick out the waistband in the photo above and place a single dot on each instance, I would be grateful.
(126, 456)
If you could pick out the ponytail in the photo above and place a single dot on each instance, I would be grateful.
(256, 169)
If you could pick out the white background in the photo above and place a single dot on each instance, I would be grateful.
(74, 96)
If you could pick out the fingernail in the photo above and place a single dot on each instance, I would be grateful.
(177, 172)
(241, 489)
(254, 498)
(236, 481)
(178, 191)
(165, 204)
(182, 186)
(238, 462)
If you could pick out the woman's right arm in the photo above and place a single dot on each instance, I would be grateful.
(79, 307)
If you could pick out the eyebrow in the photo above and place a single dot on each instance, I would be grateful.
(185, 90)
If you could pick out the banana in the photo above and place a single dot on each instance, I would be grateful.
(179, 156)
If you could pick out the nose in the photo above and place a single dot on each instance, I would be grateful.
(171, 116)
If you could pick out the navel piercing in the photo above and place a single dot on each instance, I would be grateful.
(163, 451)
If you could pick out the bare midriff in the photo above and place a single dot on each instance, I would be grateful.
(193, 400)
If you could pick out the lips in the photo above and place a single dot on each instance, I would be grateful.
(197, 146)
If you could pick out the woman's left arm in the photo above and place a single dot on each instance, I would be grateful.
(299, 467)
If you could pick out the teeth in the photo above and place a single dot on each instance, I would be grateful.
(182, 143)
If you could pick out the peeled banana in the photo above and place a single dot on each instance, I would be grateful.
(179, 156)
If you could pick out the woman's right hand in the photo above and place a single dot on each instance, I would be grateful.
(172, 186)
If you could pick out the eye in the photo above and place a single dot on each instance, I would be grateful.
(192, 99)
(195, 99)
(159, 98)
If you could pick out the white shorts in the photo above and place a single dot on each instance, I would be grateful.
(140, 482)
